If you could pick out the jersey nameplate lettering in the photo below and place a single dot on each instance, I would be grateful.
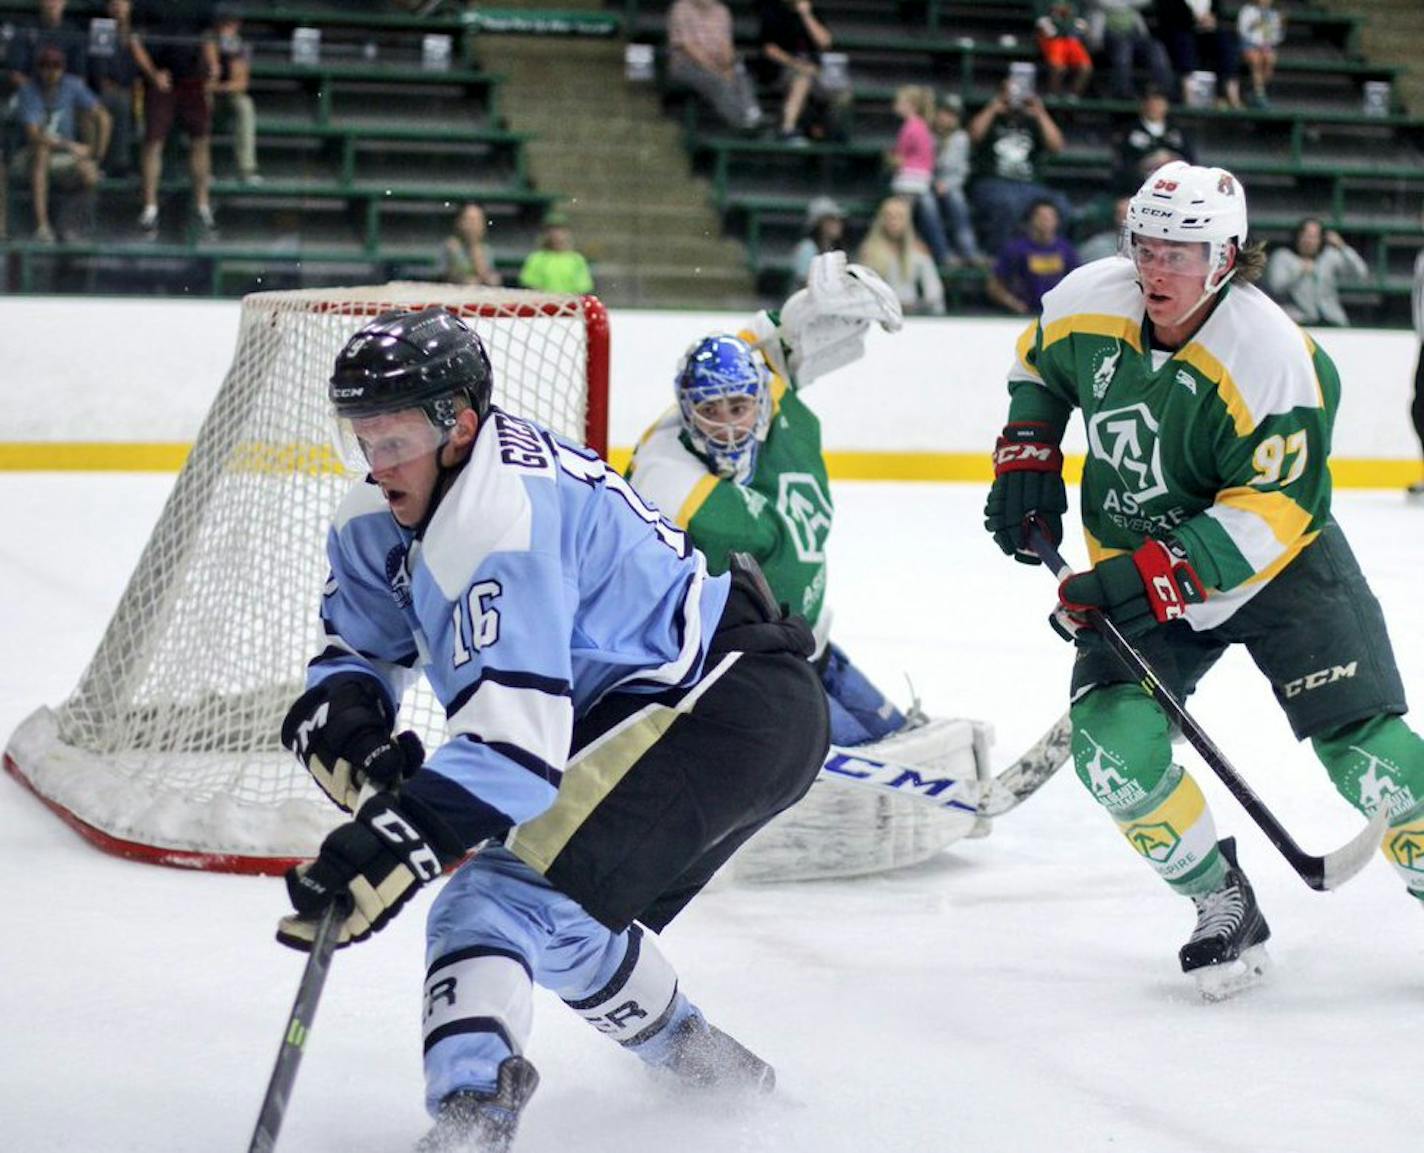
(520, 445)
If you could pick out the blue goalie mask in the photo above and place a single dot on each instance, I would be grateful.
(724, 396)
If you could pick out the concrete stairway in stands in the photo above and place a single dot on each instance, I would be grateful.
(644, 221)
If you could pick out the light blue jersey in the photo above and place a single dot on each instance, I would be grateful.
(541, 583)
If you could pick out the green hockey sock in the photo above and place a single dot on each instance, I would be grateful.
(1380, 761)
(1123, 753)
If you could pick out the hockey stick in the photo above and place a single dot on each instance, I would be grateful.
(1011, 787)
(1320, 873)
(294, 1039)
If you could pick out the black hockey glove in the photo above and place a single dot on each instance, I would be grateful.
(1136, 591)
(1028, 480)
(341, 731)
(373, 865)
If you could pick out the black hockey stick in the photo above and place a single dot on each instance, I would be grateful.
(1320, 873)
(294, 1039)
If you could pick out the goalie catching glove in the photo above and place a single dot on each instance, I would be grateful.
(341, 731)
(1028, 482)
(1136, 591)
(823, 325)
(371, 867)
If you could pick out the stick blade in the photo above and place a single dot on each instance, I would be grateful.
(1025, 776)
(1339, 866)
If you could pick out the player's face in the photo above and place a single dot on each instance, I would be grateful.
(728, 420)
(401, 450)
(1173, 275)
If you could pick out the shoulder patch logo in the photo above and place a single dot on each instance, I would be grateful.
(1187, 380)
(1104, 371)
(398, 576)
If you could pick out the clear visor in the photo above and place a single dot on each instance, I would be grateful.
(388, 440)
(728, 421)
(1168, 257)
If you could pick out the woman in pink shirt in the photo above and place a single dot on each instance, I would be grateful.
(913, 161)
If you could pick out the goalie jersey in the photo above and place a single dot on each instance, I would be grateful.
(541, 583)
(1221, 444)
(782, 515)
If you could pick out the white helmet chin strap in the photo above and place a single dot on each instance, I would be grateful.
(1208, 291)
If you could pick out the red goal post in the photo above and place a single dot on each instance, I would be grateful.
(167, 750)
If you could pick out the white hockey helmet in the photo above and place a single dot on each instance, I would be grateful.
(1192, 203)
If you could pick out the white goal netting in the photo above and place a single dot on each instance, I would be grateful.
(168, 747)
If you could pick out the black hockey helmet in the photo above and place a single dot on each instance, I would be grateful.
(423, 359)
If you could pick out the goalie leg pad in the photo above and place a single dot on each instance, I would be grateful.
(844, 829)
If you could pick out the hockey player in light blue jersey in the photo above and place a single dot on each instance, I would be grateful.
(619, 723)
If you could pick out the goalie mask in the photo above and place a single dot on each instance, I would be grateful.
(724, 397)
(429, 360)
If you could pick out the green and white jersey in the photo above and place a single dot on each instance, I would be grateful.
(782, 517)
(1222, 444)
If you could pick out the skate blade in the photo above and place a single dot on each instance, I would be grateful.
(1219, 982)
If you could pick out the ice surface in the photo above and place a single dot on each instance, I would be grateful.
(1018, 994)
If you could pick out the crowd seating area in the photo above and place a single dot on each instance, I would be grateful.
(366, 157)
(1314, 151)
(368, 153)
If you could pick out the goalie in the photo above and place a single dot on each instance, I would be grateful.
(737, 462)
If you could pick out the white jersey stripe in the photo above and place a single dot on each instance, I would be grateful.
(537, 722)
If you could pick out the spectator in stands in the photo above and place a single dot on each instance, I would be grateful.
(1151, 141)
(1109, 241)
(54, 111)
(1010, 134)
(178, 63)
(113, 77)
(702, 57)
(49, 27)
(1193, 34)
(1032, 262)
(892, 249)
(465, 257)
(1061, 32)
(234, 71)
(792, 40)
(951, 173)
(912, 161)
(1120, 27)
(555, 266)
(1261, 28)
(825, 232)
(1416, 410)
(1305, 278)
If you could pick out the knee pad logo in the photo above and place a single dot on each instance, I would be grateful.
(1157, 842)
(1406, 848)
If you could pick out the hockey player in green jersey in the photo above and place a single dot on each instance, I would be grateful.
(1206, 506)
(737, 461)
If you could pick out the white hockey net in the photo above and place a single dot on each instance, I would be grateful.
(168, 748)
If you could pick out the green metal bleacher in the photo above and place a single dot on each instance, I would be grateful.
(366, 158)
(1314, 152)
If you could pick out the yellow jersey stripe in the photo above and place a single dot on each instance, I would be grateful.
(696, 499)
(1095, 324)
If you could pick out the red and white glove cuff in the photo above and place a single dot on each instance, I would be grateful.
(1027, 448)
(1167, 575)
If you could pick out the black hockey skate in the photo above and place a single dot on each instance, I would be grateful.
(472, 1122)
(707, 1058)
(1227, 950)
